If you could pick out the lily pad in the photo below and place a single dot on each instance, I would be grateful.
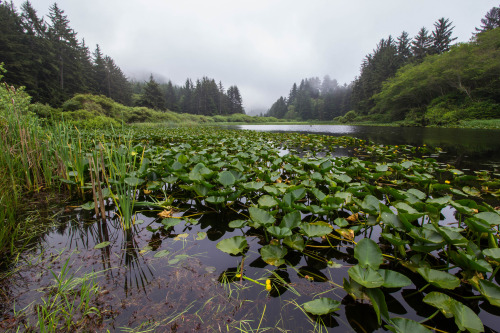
(267, 201)
(321, 306)
(102, 245)
(403, 325)
(368, 253)
(367, 277)
(438, 278)
(394, 279)
(273, 254)
(226, 178)
(233, 245)
(316, 229)
(161, 253)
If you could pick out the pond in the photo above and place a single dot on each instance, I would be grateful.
(239, 231)
(464, 148)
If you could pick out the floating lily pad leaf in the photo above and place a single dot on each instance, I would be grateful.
(233, 245)
(279, 232)
(341, 222)
(236, 224)
(367, 277)
(215, 199)
(321, 306)
(161, 253)
(272, 190)
(140, 221)
(260, 217)
(438, 278)
(394, 239)
(273, 254)
(379, 305)
(316, 229)
(394, 279)
(426, 235)
(382, 168)
(133, 181)
(342, 178)
(170, 222)
(295, 242)
(493, 253)
(439, 201)
(226, 178)
(407, 164)
(318, 194)
(370, 204)
(479, 225)
(489, 217)
(491, 291)
(102, 245)
(419, 194)
(402, 206)
(469, 261)
(465, 318)
(267, 201)
(368, 253)
(254, 186)
(200, 189)
(393, 220)
(201, 235)
(291, 220)
(471, 191)
(88, 206)
(452, 237)
(403, 325)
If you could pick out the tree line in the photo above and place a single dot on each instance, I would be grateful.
(365, 95)
(48, 59)
(205, 97)
(313, 99)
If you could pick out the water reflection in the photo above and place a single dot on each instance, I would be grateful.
(465, 148)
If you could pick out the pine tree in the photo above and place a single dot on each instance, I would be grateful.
(490, 21)
(441, 36)
(235, 100)
(152, 97)
(403, 48)
(421, 44)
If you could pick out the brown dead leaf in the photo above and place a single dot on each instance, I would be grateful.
(166, 213)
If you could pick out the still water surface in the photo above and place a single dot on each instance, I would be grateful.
(465, 148)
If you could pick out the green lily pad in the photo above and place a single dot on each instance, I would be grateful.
(161, 253)
(133, 181)
(201, 235)
(316, 229)
(260, 217)
(368, 253)
(279, 232)
(233, 245)
(295, 242)
(226, 178)
(489, 217)
(493, 253)
(170, 222)
(438, 278)
(321, 306)
(465, 318)
(88, 206)
(102, 245)
(267, 201)
(491, 291)
(394, 279)
(367, 277)
(273, 254)
(379, 305)
(291, 220)
(403, 325)
(236, 224)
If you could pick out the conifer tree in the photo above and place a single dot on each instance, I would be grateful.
(490, 21)
(441, 36)
(421, 44)
(152, 97)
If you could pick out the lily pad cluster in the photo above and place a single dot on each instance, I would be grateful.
(402, 217)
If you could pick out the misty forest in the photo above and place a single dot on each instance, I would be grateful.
(132, 205)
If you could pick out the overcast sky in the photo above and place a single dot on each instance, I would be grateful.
(262, 46)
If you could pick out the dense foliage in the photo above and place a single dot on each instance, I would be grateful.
(313, 99)
(462, 83)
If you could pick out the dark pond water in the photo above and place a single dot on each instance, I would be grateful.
(464, 148)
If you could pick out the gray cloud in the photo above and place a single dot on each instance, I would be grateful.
(262, 46)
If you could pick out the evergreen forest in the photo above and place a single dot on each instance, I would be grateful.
(46, 56)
